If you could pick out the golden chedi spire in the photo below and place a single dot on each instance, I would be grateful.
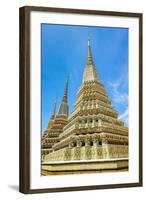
(54, 110)
(90, 73)
(63, 109)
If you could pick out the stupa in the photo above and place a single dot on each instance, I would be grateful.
(93, 134)
(55, 125)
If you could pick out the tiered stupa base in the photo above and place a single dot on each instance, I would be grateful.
(89, 153)
(86, 159)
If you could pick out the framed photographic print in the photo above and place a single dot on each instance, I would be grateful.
(80, 99)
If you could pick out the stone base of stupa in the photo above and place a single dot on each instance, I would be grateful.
(84, 166)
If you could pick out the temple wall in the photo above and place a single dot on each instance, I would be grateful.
(88, 153)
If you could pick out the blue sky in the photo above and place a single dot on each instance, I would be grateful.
(64, 53)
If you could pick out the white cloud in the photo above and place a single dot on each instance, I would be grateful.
(118, 96)
(124, 116)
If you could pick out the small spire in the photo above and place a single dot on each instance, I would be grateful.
(54, 110)
(65, 92)
(63, 109)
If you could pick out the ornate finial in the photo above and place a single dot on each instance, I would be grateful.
(88, 39)
(90, 61)
(90, 71)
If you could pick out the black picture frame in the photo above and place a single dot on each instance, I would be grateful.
(24, 77)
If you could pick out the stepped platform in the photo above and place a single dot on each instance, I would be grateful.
(84, 166)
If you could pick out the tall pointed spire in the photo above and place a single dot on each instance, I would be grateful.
(54, 110)
(90, 60)
(90, 73)
(65, 92)
(63, 109)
